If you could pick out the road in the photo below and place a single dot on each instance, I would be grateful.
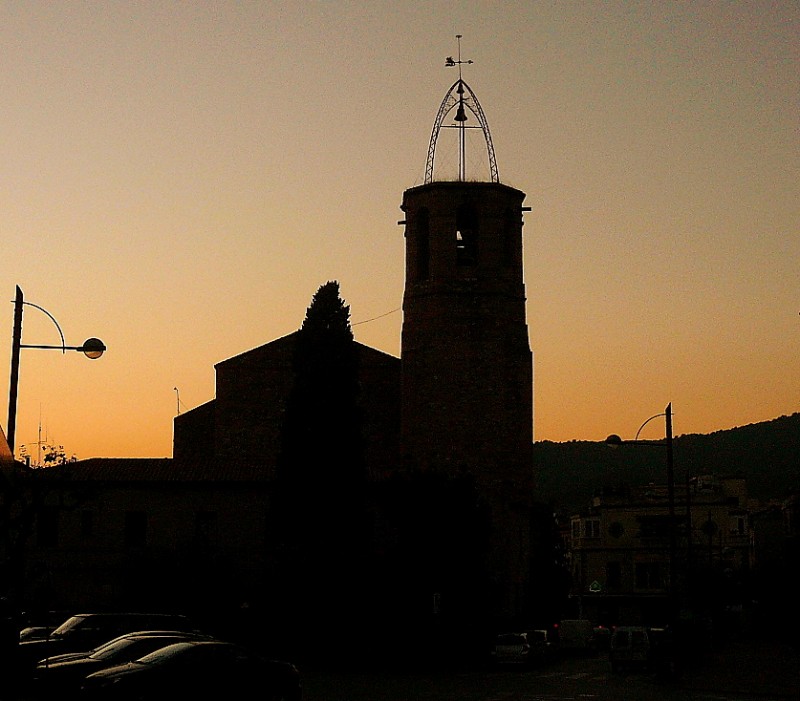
(737, 675)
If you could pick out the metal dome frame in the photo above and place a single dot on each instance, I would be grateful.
(461, 95)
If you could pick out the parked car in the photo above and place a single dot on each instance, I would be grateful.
(541, 646)
(200, 669)
(34, 632)
(630, 648)
(39, 624)
(512, 648)
(85, 631)
(62, 675)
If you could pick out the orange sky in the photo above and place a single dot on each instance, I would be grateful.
(179, 178)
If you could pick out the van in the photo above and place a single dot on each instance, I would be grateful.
(540, 644)
(631, 648)
(575, 636)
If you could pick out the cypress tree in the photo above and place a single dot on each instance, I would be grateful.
(321, 471)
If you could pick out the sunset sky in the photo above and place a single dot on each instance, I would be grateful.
(178, 179)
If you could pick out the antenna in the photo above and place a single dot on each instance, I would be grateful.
(177, 399)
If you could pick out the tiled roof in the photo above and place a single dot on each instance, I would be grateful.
(154, 470)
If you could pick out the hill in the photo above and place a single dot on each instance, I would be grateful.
(767, 454)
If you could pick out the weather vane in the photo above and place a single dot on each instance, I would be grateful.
(449, 61)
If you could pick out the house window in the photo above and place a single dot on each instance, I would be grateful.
(576, 529)
(738, 526)
(648, 575)
(47, 527)
(591, 528)
(613, 575)
(135, 529)
(709, 528)
(585, 528)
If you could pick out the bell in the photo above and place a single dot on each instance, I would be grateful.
(461, 116)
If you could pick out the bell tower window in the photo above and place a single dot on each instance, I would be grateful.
(466, 236)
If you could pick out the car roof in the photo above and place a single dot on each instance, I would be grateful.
(183, 644)
(160, 633)
(131, 614)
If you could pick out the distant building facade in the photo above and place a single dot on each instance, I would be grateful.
(145, 533)
(620, 549)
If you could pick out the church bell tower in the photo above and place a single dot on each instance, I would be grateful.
(467, 375)
(467, 403)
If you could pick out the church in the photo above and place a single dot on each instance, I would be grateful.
(445, 490)
(457, 405)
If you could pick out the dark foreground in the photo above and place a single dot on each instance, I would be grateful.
(744, 671)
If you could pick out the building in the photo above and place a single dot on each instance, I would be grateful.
(775, 567)
(145, 534)
(620, 551)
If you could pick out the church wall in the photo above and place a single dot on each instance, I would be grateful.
(252, 389)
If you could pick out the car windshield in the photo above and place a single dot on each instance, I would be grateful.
(111, 648)
(70, 624)
(132, 648)
(164, 654)
(511, 640)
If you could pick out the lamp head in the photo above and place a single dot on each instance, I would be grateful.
(93, 348)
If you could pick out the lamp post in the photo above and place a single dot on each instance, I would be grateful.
(614, 440)
(92, 348)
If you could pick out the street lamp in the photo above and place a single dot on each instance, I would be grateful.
(614, 441)
(92, 348)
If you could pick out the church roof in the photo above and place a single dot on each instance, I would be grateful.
(287, 343)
